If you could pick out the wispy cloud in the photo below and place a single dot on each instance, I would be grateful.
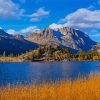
(24, 32)
(39, 14)
(9, 9)
(83, 18)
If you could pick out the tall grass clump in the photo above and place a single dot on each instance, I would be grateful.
(79, 89)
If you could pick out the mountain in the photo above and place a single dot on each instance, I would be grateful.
(14, 44)
(96, 47)
(63, 37)
(3, 33)
(66, 37)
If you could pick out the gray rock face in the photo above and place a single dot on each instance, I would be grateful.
(15, 45)
(44, 37)
(66, 37)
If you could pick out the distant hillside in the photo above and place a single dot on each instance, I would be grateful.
(16, 45)
(66, 37)
(96, 47)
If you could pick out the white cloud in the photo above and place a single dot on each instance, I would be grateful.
(12, 32)
(40, 13)
(9, 9)
(55, 26)
(23, 32)
(83, 18)
(29, 30)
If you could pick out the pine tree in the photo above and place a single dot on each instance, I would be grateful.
(4, 54)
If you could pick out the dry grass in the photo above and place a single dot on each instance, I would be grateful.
(10, 59)
(80, 89)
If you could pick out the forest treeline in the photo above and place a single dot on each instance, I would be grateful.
(53, 53)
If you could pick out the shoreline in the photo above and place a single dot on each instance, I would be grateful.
(16, 59)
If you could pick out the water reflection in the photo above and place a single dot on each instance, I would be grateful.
(38, 72)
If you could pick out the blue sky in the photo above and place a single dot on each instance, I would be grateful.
(26, 16)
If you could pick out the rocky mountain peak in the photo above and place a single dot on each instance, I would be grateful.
(65, 36)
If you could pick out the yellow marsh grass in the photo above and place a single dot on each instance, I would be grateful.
(10, 59)
(80, 89)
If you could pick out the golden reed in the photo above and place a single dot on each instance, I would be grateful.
(80, 89)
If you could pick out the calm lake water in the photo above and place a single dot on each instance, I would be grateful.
(38, 72)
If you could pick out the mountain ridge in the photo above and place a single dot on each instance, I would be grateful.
(14, 44)
(65, 36)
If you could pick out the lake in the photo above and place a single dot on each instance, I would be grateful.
(38, 72)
